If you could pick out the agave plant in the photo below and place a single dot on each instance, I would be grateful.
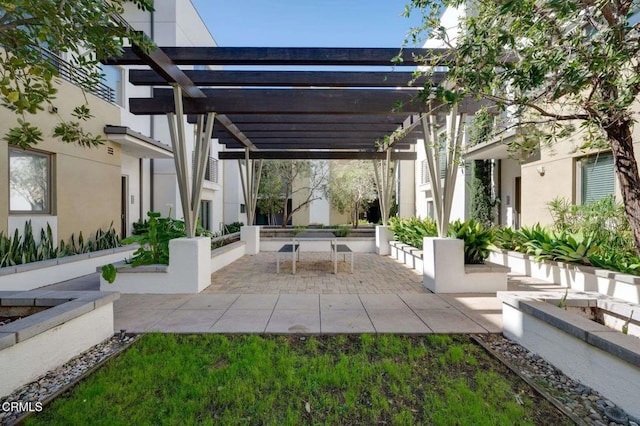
(477, 239)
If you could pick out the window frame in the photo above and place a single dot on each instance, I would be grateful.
(48, 210)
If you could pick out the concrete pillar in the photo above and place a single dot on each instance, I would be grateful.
(383, 236)
(251, 236)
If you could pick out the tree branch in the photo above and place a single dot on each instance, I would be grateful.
(19, 22)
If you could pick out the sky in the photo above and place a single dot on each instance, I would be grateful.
(306, 23)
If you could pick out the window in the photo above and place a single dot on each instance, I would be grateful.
(598, 177)
(205, 214)
(243, 208)
(29, 181)
(424, 172)
(113, 80)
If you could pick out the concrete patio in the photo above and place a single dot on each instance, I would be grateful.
(381, 296)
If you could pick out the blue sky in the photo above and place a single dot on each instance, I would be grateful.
(306, 23)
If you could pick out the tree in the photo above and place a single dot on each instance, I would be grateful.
(271, 192)
(558, 66)
(287, 179)
(351, 187)
(85, 30)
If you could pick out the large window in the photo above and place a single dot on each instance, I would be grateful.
(29, 181)
(113, 80)
(598, 177)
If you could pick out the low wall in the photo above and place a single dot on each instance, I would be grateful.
(598, 356)
(404, 253)
(33, 345)
(191, 262)
(38, 274)
(577, 277)
(443, 268)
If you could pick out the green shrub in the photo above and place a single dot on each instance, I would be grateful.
(154, 243)
(477, 239)
(582, 247)
(605, 220)
(508, 238)
(23, 249)
(232, 227)
(342, 231)
(411, 231)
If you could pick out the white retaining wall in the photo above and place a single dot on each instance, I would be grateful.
(38, 274)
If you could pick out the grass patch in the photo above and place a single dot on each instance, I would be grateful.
(217, 379)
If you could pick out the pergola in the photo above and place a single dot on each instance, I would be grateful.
(272, 114)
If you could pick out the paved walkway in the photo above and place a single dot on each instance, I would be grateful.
(381, 296)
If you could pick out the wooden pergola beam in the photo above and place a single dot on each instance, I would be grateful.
(338, 135)
(296, 101)
(322, 144)
(289, 56)
(266, 128)
(316, 155)
(389, 118)
(288, 78)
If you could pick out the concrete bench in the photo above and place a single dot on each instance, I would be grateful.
(341, 249)
(288, 249)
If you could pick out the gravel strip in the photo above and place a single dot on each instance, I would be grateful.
(46, 388)
(579, 400)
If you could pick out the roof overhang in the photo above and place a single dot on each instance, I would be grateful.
(495, 149)
(136, 144)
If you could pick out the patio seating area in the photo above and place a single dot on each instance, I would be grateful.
(248, 296)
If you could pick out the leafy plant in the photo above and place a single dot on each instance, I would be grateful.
(23, 249)
(563, 300)
(508, 238)
(154, 243)
(109, 273)
(342, 231)
(477, 239)
(232, 227)
(625, 326)
(412, 230)
(299, 229)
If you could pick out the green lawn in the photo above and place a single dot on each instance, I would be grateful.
(280, 380)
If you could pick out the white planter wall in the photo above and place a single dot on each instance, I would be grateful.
(383, 237)
(577, 277)
(445, 271)
(580, 358)
(38, 274)
(251, 237)
(25, 361)
(191, 263)
(188, 271)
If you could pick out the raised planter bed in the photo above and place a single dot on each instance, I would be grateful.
(73, 322)
(191, 262)
(577, 277)
(444, 271)
(410, 256)
(599, 356)
(38, 274)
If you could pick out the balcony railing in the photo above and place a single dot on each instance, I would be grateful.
(211, 171)
(79, 77)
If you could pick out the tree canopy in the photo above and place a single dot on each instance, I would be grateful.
(351, 187)
(301, 181)
(556, 67)
(85, 31)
